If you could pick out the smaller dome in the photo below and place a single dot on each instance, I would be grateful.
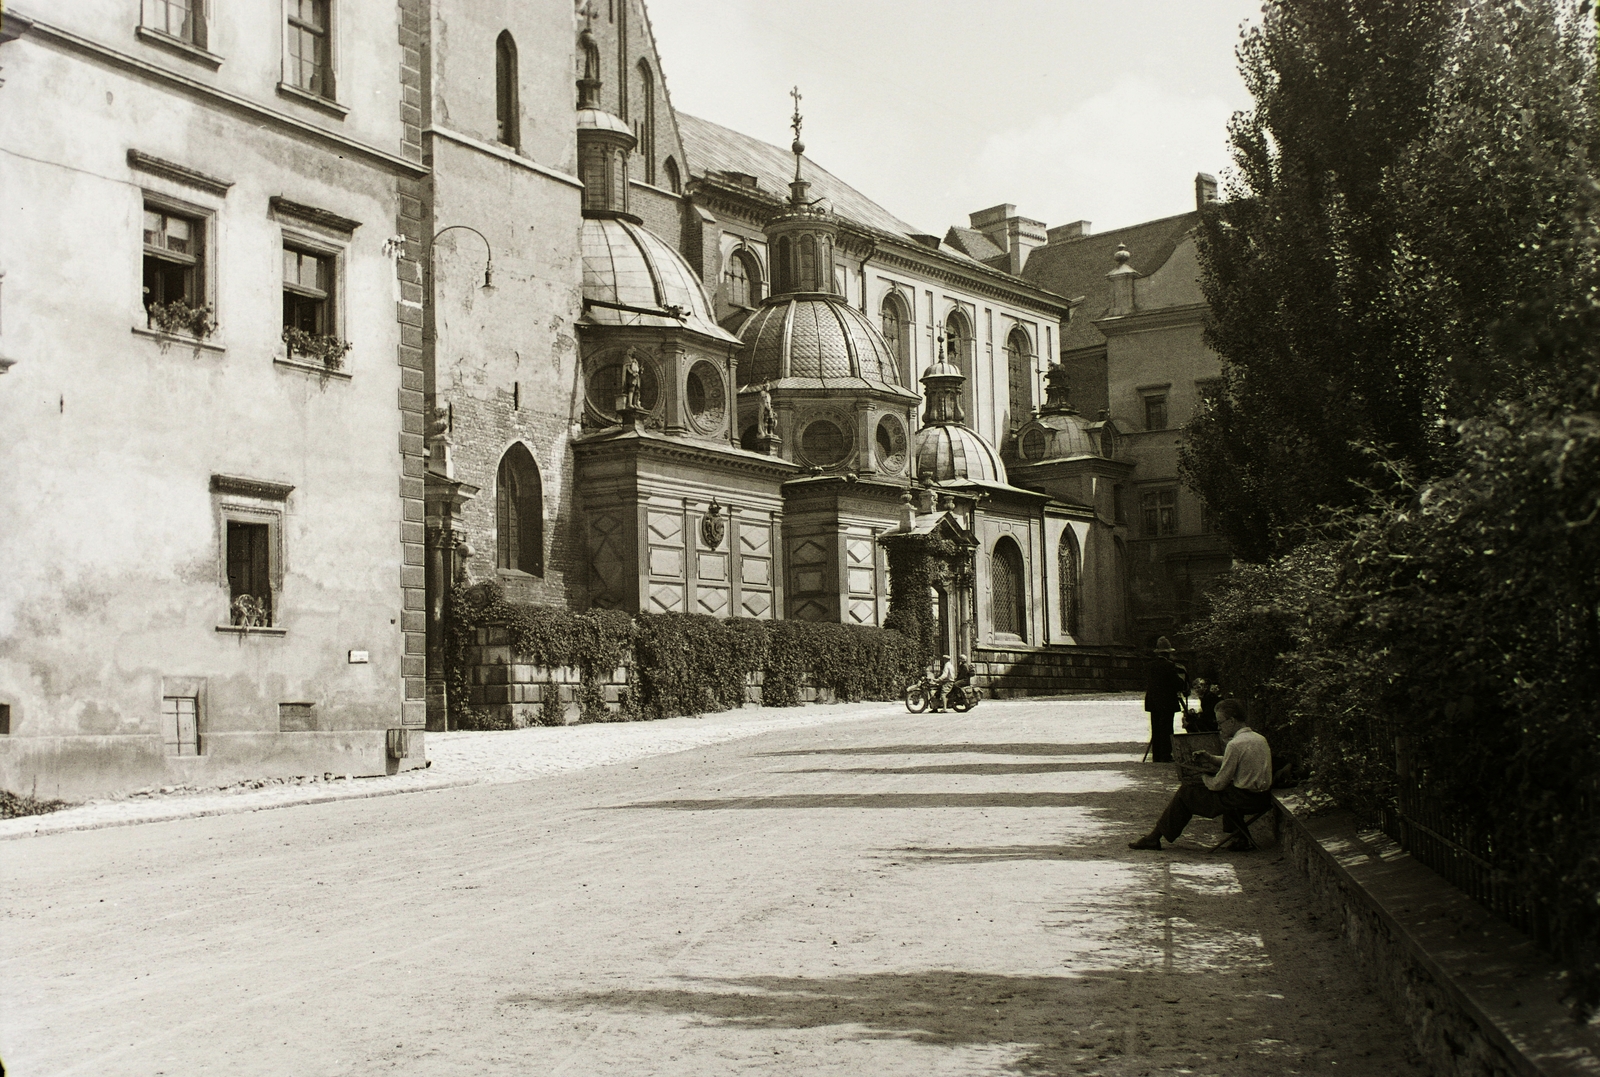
(946, 451)
(594, 119)
(1055, 436)
(943, 369)
(816, 340)
(625, 265)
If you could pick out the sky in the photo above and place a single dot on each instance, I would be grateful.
(1069, 109)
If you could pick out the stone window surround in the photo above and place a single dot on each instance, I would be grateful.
(253, 501)
(158, 199)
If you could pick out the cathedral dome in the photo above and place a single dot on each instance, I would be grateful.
(633, 277)
(947, 451)
(813, 340)
(1055, 436)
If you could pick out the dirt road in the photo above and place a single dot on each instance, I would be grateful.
(900, 895)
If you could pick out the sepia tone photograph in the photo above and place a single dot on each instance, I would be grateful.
(702, 538)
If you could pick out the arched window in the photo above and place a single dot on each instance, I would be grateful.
(519, 513)
(958, 352)
(896, 323)
(744, 279)
(1067, 561)
(645, 125)
(508, 126)
(1019, 368)
(1008, 590)
(674, 179)
(808, 263)
(781, 268)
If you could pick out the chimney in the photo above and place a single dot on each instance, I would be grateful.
(1065, 233)
(1121, 280)
(1205, 190)
(1012, 234)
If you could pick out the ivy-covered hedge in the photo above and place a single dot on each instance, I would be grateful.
(682, 663)
(1459, 627)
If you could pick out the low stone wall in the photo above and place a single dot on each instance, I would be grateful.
(1005, 674)
(1480, 999)
(512, 694)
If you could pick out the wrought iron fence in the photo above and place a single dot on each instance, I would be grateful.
(1435, 833)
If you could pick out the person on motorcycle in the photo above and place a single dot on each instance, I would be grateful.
(943, 682)
(963, 674)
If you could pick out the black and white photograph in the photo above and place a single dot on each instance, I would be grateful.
(713, 538)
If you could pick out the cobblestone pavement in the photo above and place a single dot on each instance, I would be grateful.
(882, 893)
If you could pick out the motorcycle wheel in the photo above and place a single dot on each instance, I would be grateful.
(916, 699)
(962, 702)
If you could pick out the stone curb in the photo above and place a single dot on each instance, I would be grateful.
(207, 805)
(1480, 999)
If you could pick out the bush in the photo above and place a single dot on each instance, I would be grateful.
(1461, 625)
(682, 663)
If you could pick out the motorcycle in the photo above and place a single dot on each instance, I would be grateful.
(923, 694)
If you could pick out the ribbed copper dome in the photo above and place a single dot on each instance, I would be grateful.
(1054, 436)
(815, 340)
(947, 451)
(628, 265)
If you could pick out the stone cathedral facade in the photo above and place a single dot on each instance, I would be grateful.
(356, 322)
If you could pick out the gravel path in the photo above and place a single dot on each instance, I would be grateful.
(455, 759)
(881, 894)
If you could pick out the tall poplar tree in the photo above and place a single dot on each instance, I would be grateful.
(1391, 247)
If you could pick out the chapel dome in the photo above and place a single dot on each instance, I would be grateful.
(625, 265)
(814, 340)
(1055, 436)
(594, 119)
(948, 451)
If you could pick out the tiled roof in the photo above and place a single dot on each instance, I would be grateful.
(627, 265)
(1078, 267)
(974, 243)
(711, 147)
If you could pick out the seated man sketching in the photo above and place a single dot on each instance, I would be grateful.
(1243, 777)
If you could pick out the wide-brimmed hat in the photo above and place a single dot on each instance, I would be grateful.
(1164, 646)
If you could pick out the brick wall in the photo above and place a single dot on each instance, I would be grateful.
(482, 431)
(410, 224)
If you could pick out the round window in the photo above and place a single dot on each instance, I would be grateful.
(891, 440)
(605, 386)
(824, 444)
(1033, 444)
(705, 398)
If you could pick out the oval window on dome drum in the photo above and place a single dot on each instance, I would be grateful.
(1033, 444)
(823, 443)
(605, 386)
(891, 440)
(705, 397)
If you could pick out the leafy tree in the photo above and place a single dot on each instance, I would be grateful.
(1402, 236)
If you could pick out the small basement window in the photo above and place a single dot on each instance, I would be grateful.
(180, 725)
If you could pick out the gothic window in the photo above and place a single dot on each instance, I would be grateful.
(744, 279)
(896, 324)
(519, 513)
(508, 126)
(958, 352)
(1071, 602)
(674, 177)
(1019, 367)
(1008, 589)
(645, 125)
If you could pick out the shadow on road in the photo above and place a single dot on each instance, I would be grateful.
(1143, 1018)
(974, 768)
(883, 800)
(1066, 748)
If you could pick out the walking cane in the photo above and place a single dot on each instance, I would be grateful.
(1149, 744)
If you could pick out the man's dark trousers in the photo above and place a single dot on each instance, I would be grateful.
(1161, 736)
(1193, 798)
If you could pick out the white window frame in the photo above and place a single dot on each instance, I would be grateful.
(290, 87)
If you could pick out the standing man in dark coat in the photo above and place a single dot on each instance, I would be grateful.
(1166, 686)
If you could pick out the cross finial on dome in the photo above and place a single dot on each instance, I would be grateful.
(798, 186)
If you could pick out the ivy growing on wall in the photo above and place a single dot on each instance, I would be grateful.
(682, 663)
(917, 565)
